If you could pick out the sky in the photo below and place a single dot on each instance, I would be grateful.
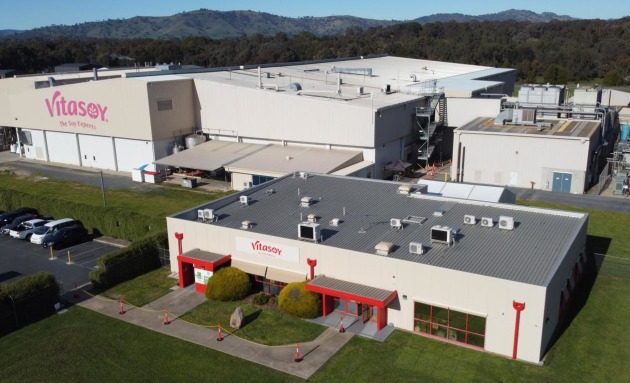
(28, 14)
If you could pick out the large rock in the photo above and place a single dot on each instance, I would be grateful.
(236, 320)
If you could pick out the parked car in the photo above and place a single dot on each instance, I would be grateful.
(17, 222)
(52, 226)
(66, 236)
(25, 229)
(8, 217)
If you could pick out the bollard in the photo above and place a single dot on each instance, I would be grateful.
(52, 255)
(166, 322)
(122, 308)
(298, 358)
(69, 259)
(219, 336)
(341, 328)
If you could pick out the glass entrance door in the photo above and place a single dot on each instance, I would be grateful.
(366, 312)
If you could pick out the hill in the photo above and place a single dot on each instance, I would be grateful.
(218, 24)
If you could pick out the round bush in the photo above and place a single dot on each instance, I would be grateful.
(295, 299)
(228, 284)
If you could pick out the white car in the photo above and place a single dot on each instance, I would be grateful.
(38, 234)
(25, 230)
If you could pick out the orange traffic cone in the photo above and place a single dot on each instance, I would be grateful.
(341, 328)
(166, 317)
(219, 336)
(122, 308)
(298, 358)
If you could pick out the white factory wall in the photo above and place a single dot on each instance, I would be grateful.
(63, 147)
(251, 112)
(517, 160)
(97, 152)
(461, 111)
(466, 292)
(132, 154)
(37, 149)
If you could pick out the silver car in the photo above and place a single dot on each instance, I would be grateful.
(25, 230)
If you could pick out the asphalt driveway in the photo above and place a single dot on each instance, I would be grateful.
(19, 258)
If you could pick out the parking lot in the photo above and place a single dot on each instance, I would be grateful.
(19, 258)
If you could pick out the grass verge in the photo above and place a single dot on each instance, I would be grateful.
(83, 346)
(262, 325)
(143, 289)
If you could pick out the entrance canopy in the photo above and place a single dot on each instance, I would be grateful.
(249, 267)
(349, 290)
(204, 258)
(398, 166)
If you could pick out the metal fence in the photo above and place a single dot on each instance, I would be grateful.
(603, 177)
(165, 257)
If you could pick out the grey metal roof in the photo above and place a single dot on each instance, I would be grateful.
(561, 128)
(350, 288)
(204, 255)
(527, 254)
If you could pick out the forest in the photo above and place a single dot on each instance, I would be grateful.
(556, 51)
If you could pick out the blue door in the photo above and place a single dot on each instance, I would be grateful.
(561, 182)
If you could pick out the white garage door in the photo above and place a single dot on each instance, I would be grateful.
(97, 152)
(63, 148)
(132, 154)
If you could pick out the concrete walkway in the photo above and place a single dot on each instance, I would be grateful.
(180, 301)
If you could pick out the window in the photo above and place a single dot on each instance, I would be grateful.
(268, 286)
(450, 324)
(257, 180)
(166, 104)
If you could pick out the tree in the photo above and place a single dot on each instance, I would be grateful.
(556, 74)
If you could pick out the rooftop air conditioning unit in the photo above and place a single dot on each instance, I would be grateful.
(311, 218)
(247, 185)
(245, 225)
(416, 248)
(303, 175)
(442, 234)
(383, 248)
(395, 223)
(200, 216)
(487, 222)
(308, 231)
(244, 200)
(208, 215)
(506, 223)
(470, 219)
(404, 189)
(334, 222)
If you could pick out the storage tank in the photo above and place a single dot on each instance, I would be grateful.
(193, 140)
(625, 131)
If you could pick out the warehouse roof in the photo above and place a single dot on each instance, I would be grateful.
(529, 253)
(550, 127)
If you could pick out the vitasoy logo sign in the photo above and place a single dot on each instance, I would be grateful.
(268, 249)
(75, 113)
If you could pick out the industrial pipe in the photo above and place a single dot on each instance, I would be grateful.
(518, 306)
(179, 237)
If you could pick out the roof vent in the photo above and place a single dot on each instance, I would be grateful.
(387, 89)
(395, 223)
(404, 189)
(383, 248)
(506, 223)
(303, 175)
(334, 222)
(470, 219)
(438, 213)
(295, 86)
(245, 225)
(306, 201)
(416, 248)
(244, 200)
(311, 218)
(487, 222)
(269, 191)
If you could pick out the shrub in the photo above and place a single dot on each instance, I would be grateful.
(33, 296)
(261, 299)
(113, 222)
(295, 299)
(228, 284)
(125, 264)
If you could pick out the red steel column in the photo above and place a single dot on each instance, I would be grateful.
(312, 263)
(179, 237)
(518, 306)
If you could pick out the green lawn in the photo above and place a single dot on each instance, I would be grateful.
(262, 325)
(143, 289)
(160, 202)
(83, 346)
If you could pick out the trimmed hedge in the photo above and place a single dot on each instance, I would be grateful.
(296, 300)
(228, 284)
(34, 297)
(140, 257)
(113, 222)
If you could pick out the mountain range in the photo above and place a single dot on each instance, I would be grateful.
(225, 24)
